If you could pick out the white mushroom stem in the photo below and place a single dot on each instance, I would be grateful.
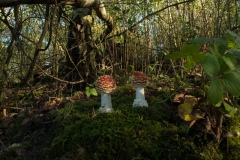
(106, 103)
(140, 93)
(140, 97)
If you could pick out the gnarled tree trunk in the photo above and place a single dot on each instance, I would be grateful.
(79, 46)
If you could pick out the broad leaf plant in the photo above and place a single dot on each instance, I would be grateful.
(220, 65)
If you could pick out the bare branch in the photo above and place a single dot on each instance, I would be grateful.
(79, 3)
(58, 79)
(150, 15)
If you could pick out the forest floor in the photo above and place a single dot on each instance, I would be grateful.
(71, 127)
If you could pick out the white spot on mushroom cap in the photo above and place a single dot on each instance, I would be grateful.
(105, 84)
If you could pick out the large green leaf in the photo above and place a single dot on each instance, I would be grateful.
(236, 36)
(230, 109)
(223, 66)
(211, 65)
(230, 61)
(198, 57)
(200, 40)
(185, 51)
(235, 52)
(231, 81)
(232, 33)
(215, 91)
(191, 48)
(221, 40)
(218, 49)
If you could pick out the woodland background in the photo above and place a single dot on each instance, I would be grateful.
(66, 43)
(51, 52)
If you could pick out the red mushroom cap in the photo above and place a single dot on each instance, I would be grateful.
(105, 84)
(139, 78)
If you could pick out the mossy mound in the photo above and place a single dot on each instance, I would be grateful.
(118, 135)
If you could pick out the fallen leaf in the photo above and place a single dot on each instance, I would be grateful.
(186, 112)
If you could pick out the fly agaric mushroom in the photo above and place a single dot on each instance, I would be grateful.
(139, 81)
(105, 85)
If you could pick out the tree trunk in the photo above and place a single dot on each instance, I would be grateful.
(79, 47)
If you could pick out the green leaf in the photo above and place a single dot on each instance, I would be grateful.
(218, 104)
(234, 52)
(231, 42)
(198, 57)
(189, 64)
(215, 91)
(230, 61)
(231, 81)
(218, 49)
(210, 65)
(150, 68)
(88, 93)
(200, 40)
(223, 66)
(87, 88)
(230, 109)
(93, 91)
(232, 33)
(190, 48)
(185, 51)
(236, 36)
(221, 40)
(177, 55)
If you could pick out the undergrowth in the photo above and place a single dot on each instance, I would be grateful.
(78, 131)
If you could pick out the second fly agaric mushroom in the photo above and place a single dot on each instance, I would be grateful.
(105, 85)
(139, 80)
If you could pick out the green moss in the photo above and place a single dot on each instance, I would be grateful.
(234, 142)
(210, 151)
(119, 135)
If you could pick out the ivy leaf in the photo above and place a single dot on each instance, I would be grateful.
(210, 65)
(231, 81)
(215, 91)
(230, 109)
